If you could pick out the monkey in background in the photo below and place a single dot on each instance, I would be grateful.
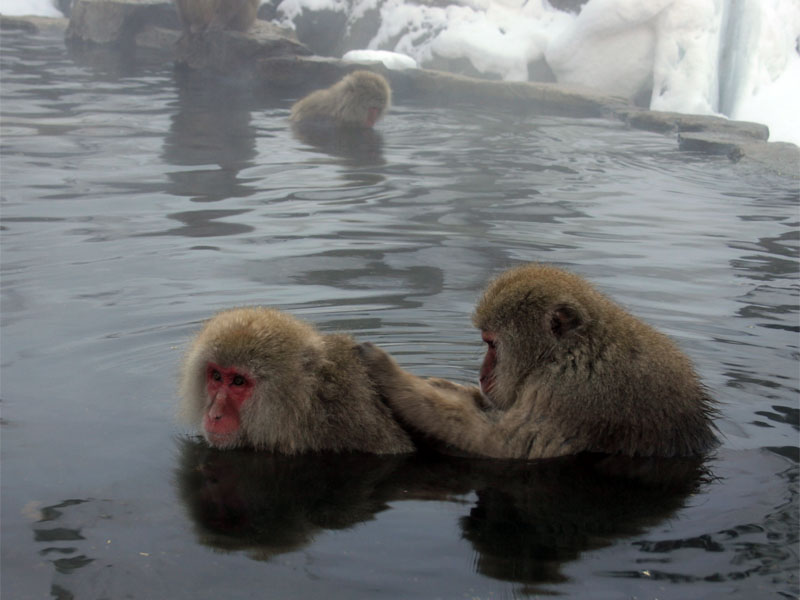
(358, 100)
(257, 377)
(566, 371)
(203, 15)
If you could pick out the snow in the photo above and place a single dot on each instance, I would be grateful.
(391, 60)
(735, 58)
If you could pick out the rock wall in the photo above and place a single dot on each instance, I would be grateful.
(272, 57)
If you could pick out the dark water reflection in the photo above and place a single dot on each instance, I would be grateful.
(135, 202)
(359, 146)
(211, 129)
(526, 519)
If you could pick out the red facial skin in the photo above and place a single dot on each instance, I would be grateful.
(486, 375)
(228, 388)
(373, 114)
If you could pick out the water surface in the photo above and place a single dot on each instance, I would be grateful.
(136, 203)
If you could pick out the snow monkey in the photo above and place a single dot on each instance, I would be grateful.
(566, 371)
(202, 15)
(257, 377)
(357, 100)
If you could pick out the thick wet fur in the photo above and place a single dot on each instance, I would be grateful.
(258, 377)
(566, 371)
(357, 100)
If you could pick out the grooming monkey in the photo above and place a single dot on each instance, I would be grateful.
(357, 100)
(257, 377)
(203, 15)
(566, 371)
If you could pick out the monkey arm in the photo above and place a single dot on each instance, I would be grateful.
(468, 391)
(449, 412)
(461, 416)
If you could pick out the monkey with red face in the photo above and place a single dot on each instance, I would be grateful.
(566, 371)
(257, 377)
(356, 101)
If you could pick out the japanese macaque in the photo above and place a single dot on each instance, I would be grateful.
(203, 15)
(566, 371)
(257, 377)
(358, 100)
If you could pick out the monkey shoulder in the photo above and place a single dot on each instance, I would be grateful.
(355, 416)
(378, 363)
(314, 106)
(340, 359)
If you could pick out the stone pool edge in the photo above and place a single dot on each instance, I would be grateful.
(272, 56)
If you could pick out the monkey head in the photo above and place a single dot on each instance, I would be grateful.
(356, 102)
(244, 379)
(368, 95)
(532, 318)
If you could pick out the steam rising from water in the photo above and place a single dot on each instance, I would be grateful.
(738, 58)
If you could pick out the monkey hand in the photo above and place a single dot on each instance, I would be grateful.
(396, 387)
(380, 365)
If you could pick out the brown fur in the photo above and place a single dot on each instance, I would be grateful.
(203, 15)
(346, 103)
(312, 391)
(574, 372)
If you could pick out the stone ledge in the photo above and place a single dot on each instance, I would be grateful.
(33, 24)
(779, 157)
(233, 52)
(439, 88)
(269, 56)
(672, 122)
(118, 21)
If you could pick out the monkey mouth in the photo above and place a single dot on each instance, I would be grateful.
(373, 114)
(486, 383)
(221, 440)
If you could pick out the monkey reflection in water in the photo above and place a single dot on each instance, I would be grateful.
(529, 519)
(258, 377)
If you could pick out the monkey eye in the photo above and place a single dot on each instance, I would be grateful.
(216, 375)
(239, 380)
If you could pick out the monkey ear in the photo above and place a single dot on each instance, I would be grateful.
(563, 319)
